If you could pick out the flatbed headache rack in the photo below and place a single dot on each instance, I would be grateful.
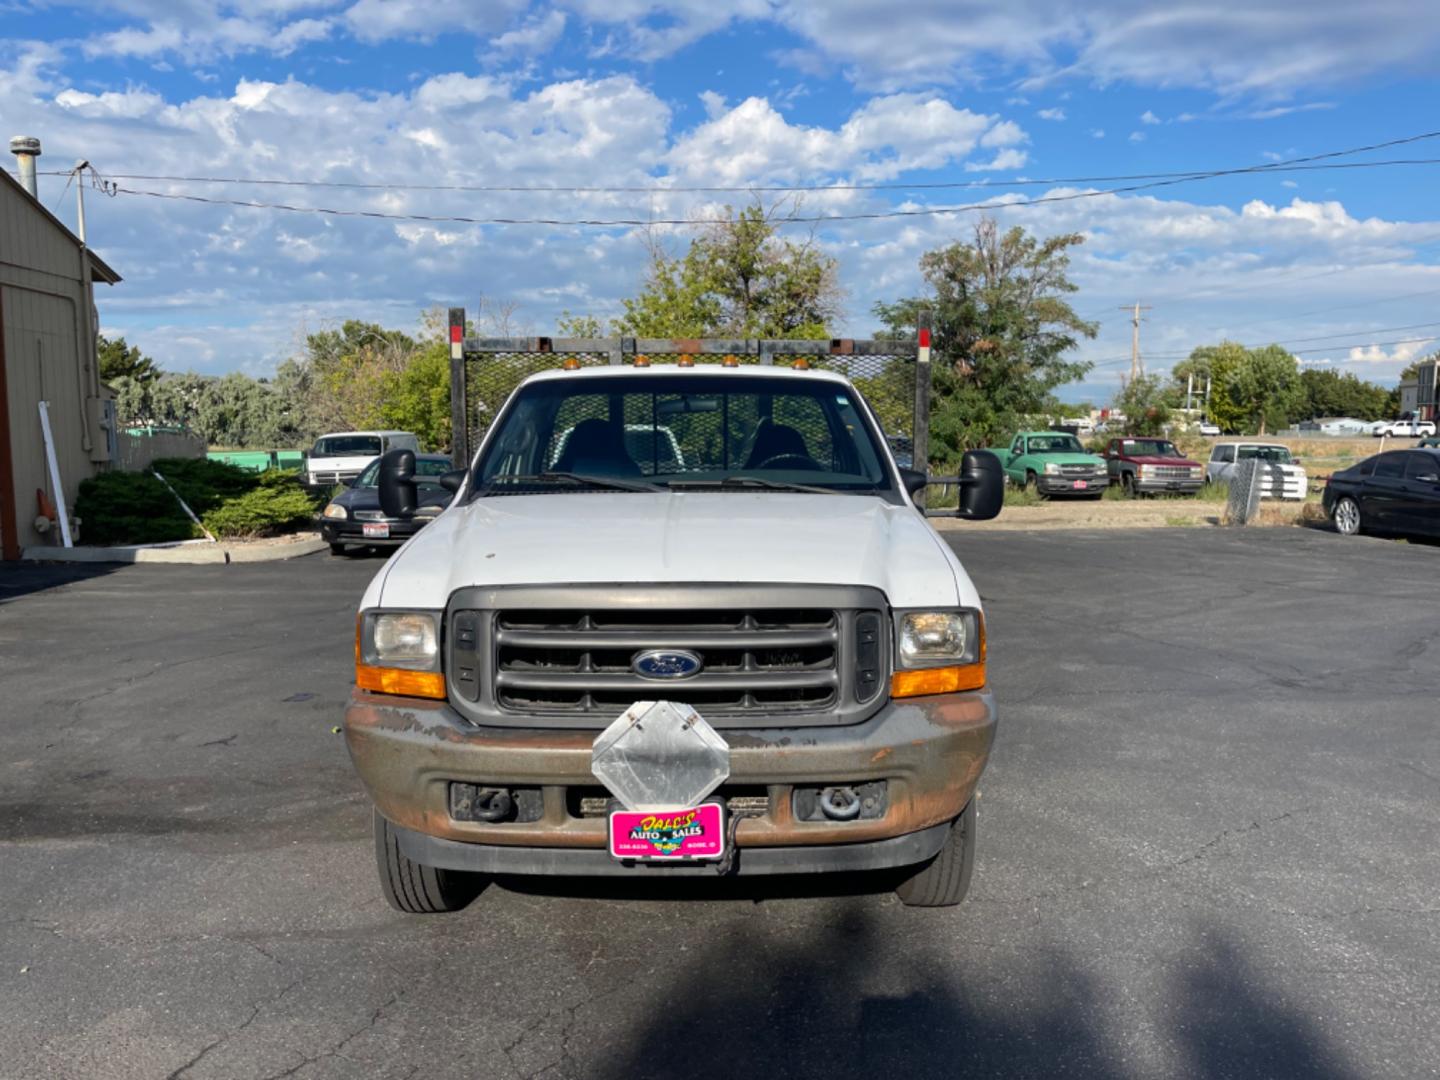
(894, 375)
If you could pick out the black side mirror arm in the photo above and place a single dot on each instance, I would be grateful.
(453, 480)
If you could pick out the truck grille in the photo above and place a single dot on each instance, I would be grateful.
(753, 660)
(1170, 472)
(757, 662)
(1078, 470)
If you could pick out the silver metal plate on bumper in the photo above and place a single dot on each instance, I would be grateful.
(659, 755)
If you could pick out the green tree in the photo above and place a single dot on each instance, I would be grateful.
(579, 326)
(1144, 401)
(417, 398)
(1326, 392)
(739, 278)
(121, 361)
(1002, 329)
(1251, 389)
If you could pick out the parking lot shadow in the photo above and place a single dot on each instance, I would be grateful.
(24, 579)
(828, 1006)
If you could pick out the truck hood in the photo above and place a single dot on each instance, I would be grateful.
(1070, 459)
(676, 537)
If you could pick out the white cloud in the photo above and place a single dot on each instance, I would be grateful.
(1289, 184)
(1148, 117)
(201, 30)
(1097, 133)
(1285, 110)
(1051, 114)
(1005, 159)
(536, 36)
(714, 103)
(1137, 136)
(887, 136)
(378, 20)
(1398, 355)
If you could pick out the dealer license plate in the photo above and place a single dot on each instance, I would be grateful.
(693, 834)
(378, 529)
(1080, 485)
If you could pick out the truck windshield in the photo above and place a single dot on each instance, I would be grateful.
(725, 432)
(1276, 455)
(1055, 444)
(347, 446)
(1149, 448)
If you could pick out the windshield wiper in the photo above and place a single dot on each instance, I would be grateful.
(755, 481)
(610, 483)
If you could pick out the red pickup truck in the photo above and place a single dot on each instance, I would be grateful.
(1143, 466)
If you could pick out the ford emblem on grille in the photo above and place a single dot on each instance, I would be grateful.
(666, 664)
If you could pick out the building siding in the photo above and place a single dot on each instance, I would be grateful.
(47, 357)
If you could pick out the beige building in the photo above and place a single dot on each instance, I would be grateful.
(47, 353)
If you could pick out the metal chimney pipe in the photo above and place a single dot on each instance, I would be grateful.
(27, 149)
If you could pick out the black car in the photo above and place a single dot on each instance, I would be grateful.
(1396, 492)
(354, 517)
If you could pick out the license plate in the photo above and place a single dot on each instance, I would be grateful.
(378, 529)
(1081, 485)
(696, 833)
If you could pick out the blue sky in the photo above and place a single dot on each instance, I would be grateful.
(664, 94)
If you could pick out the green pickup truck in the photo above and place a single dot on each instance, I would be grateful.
(1053, 463)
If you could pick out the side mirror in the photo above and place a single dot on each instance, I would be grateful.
(398, 494)
(913, 479)
(451, 481)
(982, 486)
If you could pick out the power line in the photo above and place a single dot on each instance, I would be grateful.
(811, 219)
(1298, 164)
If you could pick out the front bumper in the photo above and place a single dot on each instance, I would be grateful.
(1155, 485)
(930, 751)
(334, 531)
(1065, 485)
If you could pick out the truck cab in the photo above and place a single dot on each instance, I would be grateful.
(1053, 463)
(1150, 466)
(748, 654)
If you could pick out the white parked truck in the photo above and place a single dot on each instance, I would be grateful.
(751, 655)
(1284, 479)
(341, 456)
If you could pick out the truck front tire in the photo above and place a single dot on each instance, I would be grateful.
(945, 879)
(417, 889)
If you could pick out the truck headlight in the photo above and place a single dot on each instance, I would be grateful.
(335, 512)
(1051, 469)
(398, 652)
(938, 652)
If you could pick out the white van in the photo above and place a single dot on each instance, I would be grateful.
(341, 456)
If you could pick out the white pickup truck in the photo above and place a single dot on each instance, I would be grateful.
(752, 655)
(1285, 477)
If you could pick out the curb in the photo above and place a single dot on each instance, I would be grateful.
(185, 554)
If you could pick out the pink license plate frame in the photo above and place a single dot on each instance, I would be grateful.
(694, 834)
(1081, 485)
(380, 530)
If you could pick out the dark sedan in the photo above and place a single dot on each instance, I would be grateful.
(354, 518)
(1397, 492)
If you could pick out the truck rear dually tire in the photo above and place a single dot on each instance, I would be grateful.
(945, 879)
(417, 889)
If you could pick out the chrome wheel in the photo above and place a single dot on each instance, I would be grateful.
(1347, 517)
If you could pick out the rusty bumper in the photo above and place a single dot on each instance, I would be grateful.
(930, 751)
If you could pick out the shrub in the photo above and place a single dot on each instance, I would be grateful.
(130, 508)
(136, 508)
(263, 511)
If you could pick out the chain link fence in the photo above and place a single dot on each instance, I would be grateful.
(484, 371)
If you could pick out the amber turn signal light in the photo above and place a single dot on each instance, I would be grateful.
(384, 680)
(572, 363)
(940, 680)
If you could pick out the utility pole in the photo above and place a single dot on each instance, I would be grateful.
(1137, 367)
(80, 167)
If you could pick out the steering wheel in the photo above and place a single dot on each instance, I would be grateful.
(790, 461)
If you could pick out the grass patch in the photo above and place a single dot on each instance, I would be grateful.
(1021, 496)
(1181, 521)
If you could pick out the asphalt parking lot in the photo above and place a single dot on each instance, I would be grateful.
(1208, 848)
